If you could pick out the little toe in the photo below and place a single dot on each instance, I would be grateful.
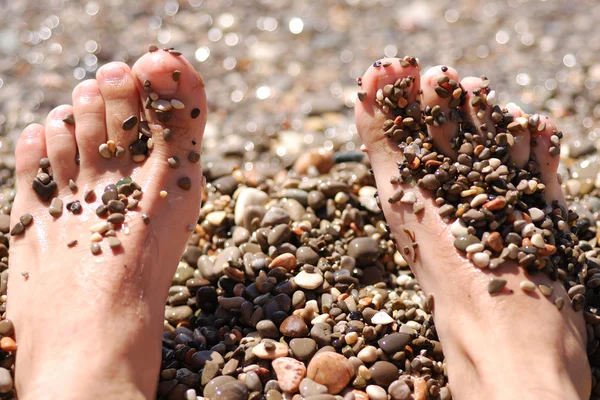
(61, 145)
(477, 107)
(172, 96)
(441, 98)
(546, 149)
(118, 88)
(90, 124)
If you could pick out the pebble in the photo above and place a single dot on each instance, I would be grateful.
(536, 214)
(365, 250)
(376, 392)
(368, 354)
(173, 162)
(303, 348)
(394, 342)
(225, 388)
(495, 285)
(308, 387)
(383, 373)
(248, 197)
(331, 370)
(307, 280)
(6, 381)
(104, 151)
(8, 344)
(6, 327)
(546, 290)
(69, 119)
(399, 390)
(177, 104)
(462, 242)
(56, 207)
(270, 351)
(267, 329)
(408, 198)
(193, 157)
(381, 318)
(185, 183)
(294, 327)
(289, 372)
(17, 229)
(481, 260)
(130, 123)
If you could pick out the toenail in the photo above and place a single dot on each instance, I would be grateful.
(113, 72)
(88, 89)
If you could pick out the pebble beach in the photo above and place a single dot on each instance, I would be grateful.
(291, 286)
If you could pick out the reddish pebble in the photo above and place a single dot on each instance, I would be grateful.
(286, 260)
(8, 344)
(290, 373)
(332, 370)
(495, 242)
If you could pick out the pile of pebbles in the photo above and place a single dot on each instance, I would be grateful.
(292, 285)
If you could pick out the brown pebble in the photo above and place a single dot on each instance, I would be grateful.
(56, 207)
(72, 185)
(130, 123)
(72, 243)
(26, 219)
(152, 48)
(114, 242)
(185, 183)
(167, 134)
(546, 290)
(146, 218)
(116, 218)
(362, 95)
(495, 285)
(559, 303)
(175, 52)
(44, 163)
(176, 75)
(89, 196)
(8, 344)
(95, 248)
(18, 229)
(193, 157)
(69, 119)
(195, 113)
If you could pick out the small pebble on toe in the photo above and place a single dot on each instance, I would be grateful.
(495, 285)
(95, 248)
(26, 219)
(173, 162)
(56, 207)
(193, 157)
(72, 243)
(176, 75)
(69, 119)
(104, 151)
(185, 183)
(72, 185)
(18, 229)
(195, 113)
(130, 123)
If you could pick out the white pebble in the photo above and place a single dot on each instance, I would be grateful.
(491, 98)
(536, 214)
(459, 228)
(100, 227)
(190, 394)
(177, 104)
(408, 198)
(479, 200)
(527, 286)
(481, 260)
(367, 191)
(308, 281)
(368, 354)
(376, 392)
(399, 260)
(528, 230)
(538, 241)
(96, 237)
(216, 218)
(475, 248)
(341, 198)
(381, 318)
(162, 105)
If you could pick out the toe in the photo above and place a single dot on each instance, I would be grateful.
(545, 148)
(30, 148)
(441, 97)
(61, 145)
(118, 88)
(513, 121)
(90, 123)
(397, 114)
(172, 95)
(476, 106)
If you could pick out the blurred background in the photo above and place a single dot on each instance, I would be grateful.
(281, 74)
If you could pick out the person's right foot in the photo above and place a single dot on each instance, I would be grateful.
(511, 345)
(89, 325)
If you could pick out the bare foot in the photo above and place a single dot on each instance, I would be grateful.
(110, 304)
(513, 344)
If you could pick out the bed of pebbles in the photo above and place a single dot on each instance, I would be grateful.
(291, 282)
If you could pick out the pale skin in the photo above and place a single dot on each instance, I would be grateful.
(108, 345)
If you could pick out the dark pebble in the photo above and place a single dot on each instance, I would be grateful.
(193, 157)
(185, 183)
(130, 123)
(195, 113)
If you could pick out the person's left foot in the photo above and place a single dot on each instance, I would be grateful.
(108, 191)
(443, 152)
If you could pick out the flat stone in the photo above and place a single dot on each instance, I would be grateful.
(248, 197)
(225, 388)
(394, 342)
(56, 207)
(294, 326)
(383, 373)
(376, 392)
(303, 348)
(399, 390)
(462, 242)
(286, 260)
(289, 372)
(332, 370)
(308, 280)
(364, 249)
(270, 352)
(175, 315)
(306, 255)
(368, 354)
(267, 329)
(308, 387)
(275, 216)
(382, 318)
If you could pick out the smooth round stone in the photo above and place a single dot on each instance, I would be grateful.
(536, 214)
(321, 333)
(207, 268)
(267, 329)
(275, 216)
(294, 209)
(289, 372)
(368, 354)
(376, 392)
(299, 195)
(216, 218)
(286, 260)
(253, 382)
(225, 388)
(294, 326)
(307, 280)
(394, 342)
(175, 315)
(399, 390)
(200, 358)
(462, 242)
(5, 223)
(308, 387)
(364, 249)
(303, 348)
(228, 254)
(307, 255)
(332, 370)
(248, 197)
(481, 260)
(459, 228)
(264, 352)
(383, 373)
(6, 327)
(279, 234)
(226, 185)
(6, 382)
